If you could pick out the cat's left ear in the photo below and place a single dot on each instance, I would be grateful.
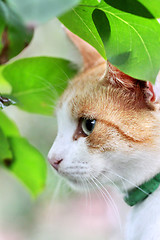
(91, 58)
(119, 79)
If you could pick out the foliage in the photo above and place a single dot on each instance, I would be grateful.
(20, 157)
(14, 34)
(44, 79)
(126, 32)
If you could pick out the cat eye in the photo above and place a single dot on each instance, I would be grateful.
(88, 125)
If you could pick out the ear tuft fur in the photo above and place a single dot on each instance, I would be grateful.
(118, 78)
(143, 91)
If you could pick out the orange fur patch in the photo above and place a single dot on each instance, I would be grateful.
(123, 118)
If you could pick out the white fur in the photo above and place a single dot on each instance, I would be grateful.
(79, 163)
(144, 219)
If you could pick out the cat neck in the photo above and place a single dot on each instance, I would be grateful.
(144, 219)
(138, 194)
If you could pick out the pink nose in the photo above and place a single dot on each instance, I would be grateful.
(55, 162)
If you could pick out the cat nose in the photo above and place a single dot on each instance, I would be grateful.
(55, 162)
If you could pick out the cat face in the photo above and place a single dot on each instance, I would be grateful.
(106, 128)
(102, 131)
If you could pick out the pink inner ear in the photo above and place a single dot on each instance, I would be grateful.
(156, 88)
(151, 92)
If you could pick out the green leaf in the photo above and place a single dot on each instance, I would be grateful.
(4, 85)
(79, 21)
(40, 11)
(131, 38)
(5, 152)
(7, 129)
(28, 165)
(133, 45)
(20, 157)
(143, 8)
(38, 82)
(8, 126)
(153, 6)
(13, 33)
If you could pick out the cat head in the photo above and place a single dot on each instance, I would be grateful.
(108, 125)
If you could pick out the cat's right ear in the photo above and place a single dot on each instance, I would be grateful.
(117, 78)
(91, 57)
(143, 90)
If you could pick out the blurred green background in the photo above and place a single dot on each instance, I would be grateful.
(58, 213)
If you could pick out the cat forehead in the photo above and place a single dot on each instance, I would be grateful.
(88, 98)
(83, 86)
(95, 101)
(108, 105)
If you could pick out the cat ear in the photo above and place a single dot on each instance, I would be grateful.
(119, 79)
(91, 57)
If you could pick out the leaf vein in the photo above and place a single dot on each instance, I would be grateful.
(143, 43)
(87, 27)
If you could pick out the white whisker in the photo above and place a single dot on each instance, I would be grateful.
(109, 198)
(101, 192)
(128, 181)
(88, 191)
(111, 181)
(85, 190)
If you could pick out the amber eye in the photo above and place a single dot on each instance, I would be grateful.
(88, 125)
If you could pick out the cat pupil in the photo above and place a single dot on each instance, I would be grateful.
(88, 125)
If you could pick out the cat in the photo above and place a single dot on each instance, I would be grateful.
(108, 130)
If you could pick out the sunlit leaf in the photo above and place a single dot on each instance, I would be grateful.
(4, 85)
(38, 82)
(153, 6)
(28, 165)
(79, 21)
(8, 126)
(131, 38)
